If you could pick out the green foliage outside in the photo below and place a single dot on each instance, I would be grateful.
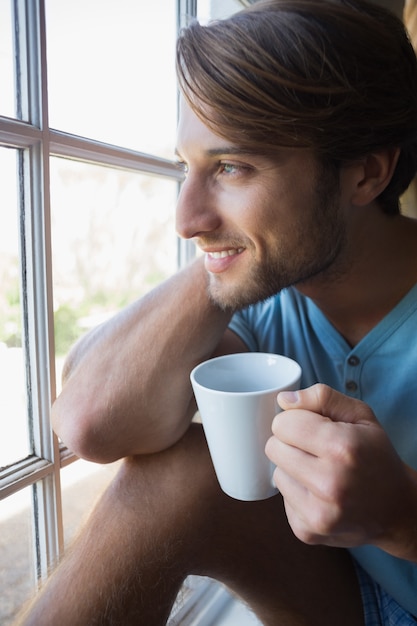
(10, 317)
(71, 321)
(67, 329)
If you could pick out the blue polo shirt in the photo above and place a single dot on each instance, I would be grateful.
(381, 370)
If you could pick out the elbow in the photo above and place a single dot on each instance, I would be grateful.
(78, 429)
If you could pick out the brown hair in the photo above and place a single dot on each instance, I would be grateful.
(338, 76)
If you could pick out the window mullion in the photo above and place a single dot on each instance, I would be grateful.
(37, 279)
(39, 347)
(91, 151)
(186, 11)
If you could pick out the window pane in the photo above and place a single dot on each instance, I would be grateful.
(7, 106)
(217, 9)
(13, 420)
(82, 483)
(113, 239)
(111, 71)
(17, 577)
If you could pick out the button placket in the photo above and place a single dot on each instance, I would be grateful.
(352, 374)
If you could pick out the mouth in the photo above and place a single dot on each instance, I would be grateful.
(218, 261)
(222, 254)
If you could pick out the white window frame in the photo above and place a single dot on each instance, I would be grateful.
(35, 143)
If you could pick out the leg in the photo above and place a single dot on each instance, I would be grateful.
(164, 517)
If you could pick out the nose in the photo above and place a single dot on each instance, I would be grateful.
(196, 212)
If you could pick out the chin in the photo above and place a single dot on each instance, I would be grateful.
(225, 296)
(232, 297)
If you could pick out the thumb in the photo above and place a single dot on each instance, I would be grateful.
(328, 402)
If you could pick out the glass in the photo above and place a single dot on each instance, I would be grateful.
(217, 9)
(111, 72)
(113, 239)
(17, 572)
(82, 483)
(7, 100)
(13, 404)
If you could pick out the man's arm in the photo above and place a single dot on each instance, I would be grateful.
(126, 386)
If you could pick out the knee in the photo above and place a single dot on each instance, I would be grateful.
(175, 478)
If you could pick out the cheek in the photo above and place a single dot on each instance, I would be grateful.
(282, 215)
(267, 211)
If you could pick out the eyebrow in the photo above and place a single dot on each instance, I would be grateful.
(213, 152)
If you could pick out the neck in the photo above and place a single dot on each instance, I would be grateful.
(373, 273)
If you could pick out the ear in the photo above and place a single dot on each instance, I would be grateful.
(374, 174)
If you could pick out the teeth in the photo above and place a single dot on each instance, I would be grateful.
(225, 253)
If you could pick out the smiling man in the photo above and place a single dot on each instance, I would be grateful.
(261, 225)
(298, 135)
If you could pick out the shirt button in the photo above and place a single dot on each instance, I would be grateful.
(353, 360)
(351, 385)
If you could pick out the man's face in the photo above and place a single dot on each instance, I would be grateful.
(263, 224)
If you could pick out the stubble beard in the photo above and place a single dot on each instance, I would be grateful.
(320, 242)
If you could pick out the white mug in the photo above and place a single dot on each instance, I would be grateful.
(236, 396)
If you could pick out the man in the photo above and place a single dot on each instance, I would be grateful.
(298, 134)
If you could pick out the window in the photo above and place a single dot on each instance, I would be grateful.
(6, 59)
(115, 83)
(87, 126)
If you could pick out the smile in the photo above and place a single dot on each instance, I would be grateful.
(224, 253)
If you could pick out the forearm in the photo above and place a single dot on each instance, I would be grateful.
(126, 388)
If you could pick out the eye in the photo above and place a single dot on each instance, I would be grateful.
(232, 169)
(228, 168)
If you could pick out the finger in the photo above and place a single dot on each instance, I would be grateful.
(293, 462)
(291, 490)
(327, 402)
(299, 506)
(308, 431)
(336, 444)
(318, 475)
(300, 428)
(312, 520)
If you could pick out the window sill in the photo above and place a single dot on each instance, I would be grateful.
(205, 602)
